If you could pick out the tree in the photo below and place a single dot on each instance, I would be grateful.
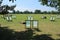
(12, 0)
(9, 1)
(26, 12)
(17, 11)
(37, 11)
(4, 9)
(44, 12)
(51, 3)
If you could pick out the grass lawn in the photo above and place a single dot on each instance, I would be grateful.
(45, 25)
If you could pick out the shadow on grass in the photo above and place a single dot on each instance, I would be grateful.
(43, 37)
(36, 29)
(8, 34)
(58, 35)
(24, 35)
(57, 39)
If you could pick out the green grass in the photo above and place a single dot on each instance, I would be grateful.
(45, 25)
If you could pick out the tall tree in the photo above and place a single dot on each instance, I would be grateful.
(51, 3)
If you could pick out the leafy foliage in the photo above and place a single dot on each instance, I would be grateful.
(51, 3)
(4, 9)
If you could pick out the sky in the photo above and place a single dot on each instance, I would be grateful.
(30, 5)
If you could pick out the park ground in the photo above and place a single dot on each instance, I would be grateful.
(45, 25)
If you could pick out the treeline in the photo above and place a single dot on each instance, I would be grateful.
(35, 12)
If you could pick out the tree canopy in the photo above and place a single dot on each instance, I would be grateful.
(4, 8)
(51, 3)
(9, 1)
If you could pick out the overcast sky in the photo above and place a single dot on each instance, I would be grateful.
(30, 5)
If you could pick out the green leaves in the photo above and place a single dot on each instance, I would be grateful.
(51, 3)
(12, 1)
